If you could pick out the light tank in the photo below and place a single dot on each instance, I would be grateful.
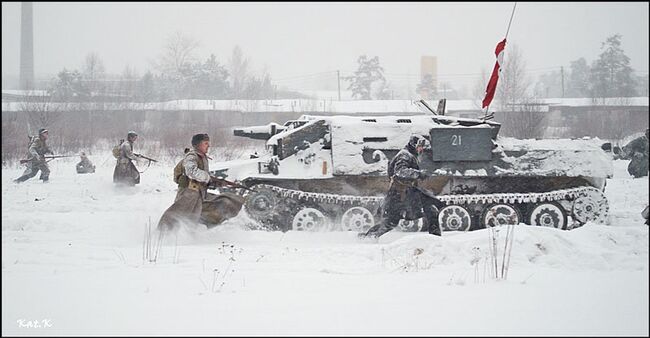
(329, 173)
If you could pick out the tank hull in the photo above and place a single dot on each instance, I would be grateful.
(330, 173)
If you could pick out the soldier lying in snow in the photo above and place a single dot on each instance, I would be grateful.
(637, 151)
(85, 166)
(193, 203)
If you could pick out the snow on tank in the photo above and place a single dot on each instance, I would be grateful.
(330, 172)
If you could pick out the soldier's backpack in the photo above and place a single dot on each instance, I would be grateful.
(178, 172)
(32, 139)
(116, 149)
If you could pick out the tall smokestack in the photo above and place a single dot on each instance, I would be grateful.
(26, 47)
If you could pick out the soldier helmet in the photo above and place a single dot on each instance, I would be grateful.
(196, 139)
(42, 131)
(132, 134)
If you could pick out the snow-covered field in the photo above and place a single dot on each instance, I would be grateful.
(72, 262)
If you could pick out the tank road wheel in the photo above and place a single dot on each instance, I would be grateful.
(358, 219)
(500, 214)
(413, 225)
(309, 219)
(261, 205)
(454, 218)
(591, 205)
(548, 215)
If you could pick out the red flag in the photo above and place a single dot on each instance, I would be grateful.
(492, 84)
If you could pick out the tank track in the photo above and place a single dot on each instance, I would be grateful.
(593, 204)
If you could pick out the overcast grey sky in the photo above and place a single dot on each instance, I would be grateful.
(302, 38)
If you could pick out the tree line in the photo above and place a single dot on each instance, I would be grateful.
(178, 73)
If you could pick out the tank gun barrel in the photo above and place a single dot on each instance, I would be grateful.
(259, 132)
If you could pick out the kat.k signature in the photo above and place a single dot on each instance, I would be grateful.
(45, 323)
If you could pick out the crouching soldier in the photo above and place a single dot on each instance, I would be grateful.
(36, 158)
(638, 152)
(125, 171)
(193, 203)
(404, 199)
(85, 166)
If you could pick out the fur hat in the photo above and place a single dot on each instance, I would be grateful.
(196, 139)
(418, 141)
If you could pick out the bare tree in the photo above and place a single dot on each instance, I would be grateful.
(526, 117)
(128, 81)
(525, 120)
(513, 85)
(93, 73)
(41, 111)
(239, 72)
(179, 51)
(478, 92)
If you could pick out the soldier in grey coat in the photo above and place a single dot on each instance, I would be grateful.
(36, 158)
(193, 203)
(125, 171)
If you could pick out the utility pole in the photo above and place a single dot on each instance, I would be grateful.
(562, 74)
(338, 79)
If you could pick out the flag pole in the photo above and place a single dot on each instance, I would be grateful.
(511, 16)
(505, 38)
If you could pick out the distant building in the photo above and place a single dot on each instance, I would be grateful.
(429, 66)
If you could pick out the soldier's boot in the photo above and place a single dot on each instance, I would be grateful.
(24, 178)
(21, 179)
(366, 234)
(431, 216)
(376, 231)
(434, 229)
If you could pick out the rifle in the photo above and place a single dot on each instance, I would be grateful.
(230, 183)
(145, 157)
(49, 158)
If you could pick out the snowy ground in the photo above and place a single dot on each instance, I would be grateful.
(72, 262)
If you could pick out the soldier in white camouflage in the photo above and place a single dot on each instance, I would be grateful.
(125, 171)
(404, 199)
(36, 158)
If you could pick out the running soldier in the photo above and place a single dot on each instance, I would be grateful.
(404, 199)
(36, 157)
(125, 171)
(193, 203)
